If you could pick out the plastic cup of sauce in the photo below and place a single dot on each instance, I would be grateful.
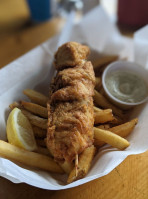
(125, 84)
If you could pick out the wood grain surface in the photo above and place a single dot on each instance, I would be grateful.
(128, 181)
(19, 43)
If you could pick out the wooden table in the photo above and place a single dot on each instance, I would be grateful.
(128, 181)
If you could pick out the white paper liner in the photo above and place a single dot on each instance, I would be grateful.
(35, 70)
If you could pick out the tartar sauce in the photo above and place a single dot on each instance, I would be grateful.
(126, 86)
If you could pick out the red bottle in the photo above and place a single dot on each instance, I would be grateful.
(133, 13)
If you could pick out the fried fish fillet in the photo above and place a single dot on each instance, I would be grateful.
(70, 108)
(74, 83)
(70, 54)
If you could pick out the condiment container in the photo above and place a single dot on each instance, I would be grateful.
(131, 68)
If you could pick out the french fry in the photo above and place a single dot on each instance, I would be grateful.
(15, 105)
(43, 150)
(67, 166)
(35, 120)
(36, 97)
(28, 158)
(35, 109)
(98, 83)
(102, 92)
(122, 130)
(41, 142)
(38, 132)
(125, 129)
(104, 60)
(84, 164)
(97, 109)
(99, 142)
(104, 126)
(110, 138)
(116, 121)
(103, 116)
(100, 100)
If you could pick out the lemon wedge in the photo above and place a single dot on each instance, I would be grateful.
(19, 131)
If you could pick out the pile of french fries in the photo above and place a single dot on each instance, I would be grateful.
(111, 127)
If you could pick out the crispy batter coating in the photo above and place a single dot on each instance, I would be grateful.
(74, 83)
(71, 130)
(70, 109)
(70, 54)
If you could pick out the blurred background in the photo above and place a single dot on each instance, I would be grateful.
(24, 24)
